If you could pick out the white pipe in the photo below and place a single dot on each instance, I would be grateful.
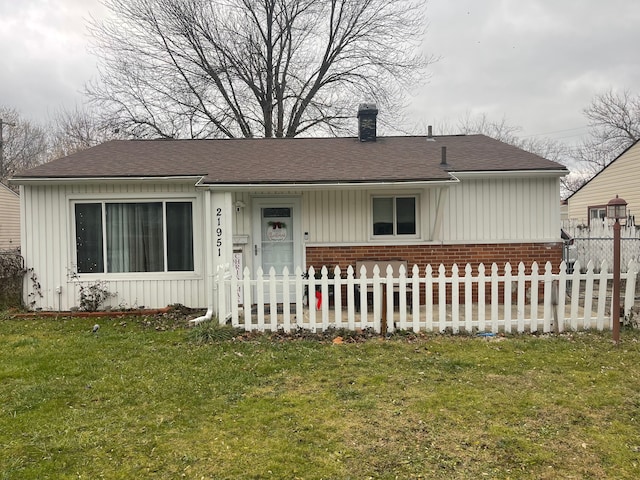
(207, 234)
(207, 316)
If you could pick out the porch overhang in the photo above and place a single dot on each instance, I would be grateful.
(300, 186)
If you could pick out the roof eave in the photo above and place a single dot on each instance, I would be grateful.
(510, 173)
(195, 179)
(365, 185)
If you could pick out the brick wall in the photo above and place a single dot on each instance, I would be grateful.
(422, 255)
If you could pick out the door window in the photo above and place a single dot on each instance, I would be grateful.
(277, 239)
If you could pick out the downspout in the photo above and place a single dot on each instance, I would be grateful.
(436, 234)
(204, 318)
(207, 254)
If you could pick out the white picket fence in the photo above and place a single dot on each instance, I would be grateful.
(468, 301)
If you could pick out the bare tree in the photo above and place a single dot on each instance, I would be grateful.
(482, 124)
(24, 144)
(573, 182)
(79, 129)
(501, 130)
(614, 121)
(544, 147)
(245, 68)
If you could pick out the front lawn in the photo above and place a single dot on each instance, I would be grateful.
(139, 400)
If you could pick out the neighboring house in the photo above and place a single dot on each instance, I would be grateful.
(9, 219)
(153, 219)
(621, 177)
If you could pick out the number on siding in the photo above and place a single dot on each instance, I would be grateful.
(219, 231)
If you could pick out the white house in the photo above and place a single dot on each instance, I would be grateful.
(153, 219)
(9, 219)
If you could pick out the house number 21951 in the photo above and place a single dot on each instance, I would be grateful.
(219, 231)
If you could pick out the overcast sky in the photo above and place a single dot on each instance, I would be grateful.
(537, 63)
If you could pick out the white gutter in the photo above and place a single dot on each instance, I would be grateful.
(199, 181)
(509, 173)
(73, 180)
(321, 186)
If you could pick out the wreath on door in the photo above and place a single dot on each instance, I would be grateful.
(277, 225)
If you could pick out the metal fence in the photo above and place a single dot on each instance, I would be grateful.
(600, 249)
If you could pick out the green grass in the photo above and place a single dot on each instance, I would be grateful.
(135, 402)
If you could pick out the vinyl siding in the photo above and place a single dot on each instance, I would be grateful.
(621, 178)
(477, 210)
(48, 248)
(503, 210)
(9, 219)
(337, 216)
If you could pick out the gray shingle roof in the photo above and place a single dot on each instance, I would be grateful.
(295, 160)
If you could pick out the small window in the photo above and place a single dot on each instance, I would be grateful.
(597, 213)
(394, 216)
(134, 237)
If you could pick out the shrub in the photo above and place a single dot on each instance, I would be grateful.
(93, 295)
(11, 274)
(210, 331)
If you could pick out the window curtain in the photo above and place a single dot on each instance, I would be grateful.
(134, 237)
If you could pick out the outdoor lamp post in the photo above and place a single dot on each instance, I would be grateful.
(617, 210)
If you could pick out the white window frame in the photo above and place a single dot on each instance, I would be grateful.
(601, 209)
(395, 235)
(163, 199)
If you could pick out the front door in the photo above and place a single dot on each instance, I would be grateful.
(276, 234)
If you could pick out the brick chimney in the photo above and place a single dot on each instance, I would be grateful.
(367, 113)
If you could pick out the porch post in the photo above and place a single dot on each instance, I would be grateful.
(219, 240)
